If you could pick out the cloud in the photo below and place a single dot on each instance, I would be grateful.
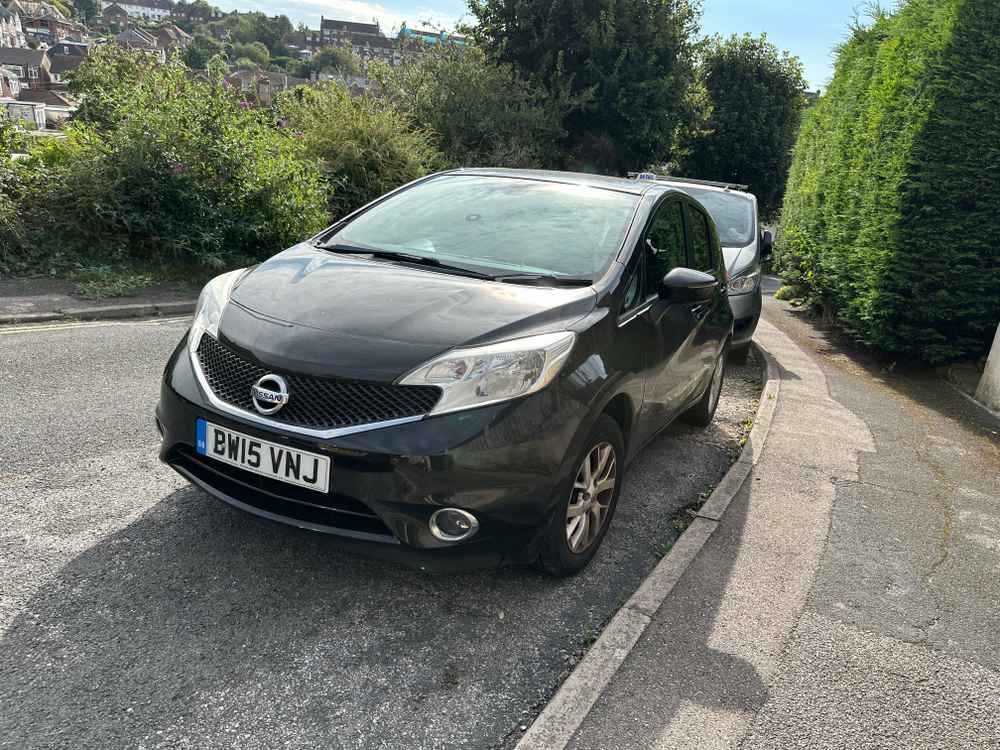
(390, 19)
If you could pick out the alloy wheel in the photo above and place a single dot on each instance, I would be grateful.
(593, 490)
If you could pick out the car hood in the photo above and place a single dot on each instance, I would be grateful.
(739, 259)
(311, 311)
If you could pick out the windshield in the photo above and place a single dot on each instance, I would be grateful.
(732, 213)
(504, 225)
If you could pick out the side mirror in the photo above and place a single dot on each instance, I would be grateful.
(688, 285)
(766, 245)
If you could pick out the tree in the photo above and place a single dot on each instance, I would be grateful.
(892, 212)
(630, 63)
(340, 61)
(365, 145)
(757, 95)
(201, 49)
(255, 51)
(87, 10)
(483, 114)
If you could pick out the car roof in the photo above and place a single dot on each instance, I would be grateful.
(687, 187)
(621, 184)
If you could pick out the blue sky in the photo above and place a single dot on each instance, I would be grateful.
(809, 29)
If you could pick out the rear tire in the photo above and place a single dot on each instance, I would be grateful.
(738, 354)
(587, 502)
(702, 413)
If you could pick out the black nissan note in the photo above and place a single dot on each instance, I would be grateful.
(458, 373)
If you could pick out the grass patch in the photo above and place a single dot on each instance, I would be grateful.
(107, 281)
(102, 282)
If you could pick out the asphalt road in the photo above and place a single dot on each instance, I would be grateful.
(137, 612)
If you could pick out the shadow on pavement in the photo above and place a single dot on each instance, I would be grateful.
(200, 626)
(678, 674)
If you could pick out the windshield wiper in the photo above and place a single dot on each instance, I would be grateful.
(544, 279)
(420, 260)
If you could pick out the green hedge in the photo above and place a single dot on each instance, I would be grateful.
(891, 219)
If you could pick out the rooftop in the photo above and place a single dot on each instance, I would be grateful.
(351, 26)
(21, 57)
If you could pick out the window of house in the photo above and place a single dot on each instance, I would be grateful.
(701, 241)
(664, 244)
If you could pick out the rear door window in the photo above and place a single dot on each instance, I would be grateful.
(702, 255)
(664, 244)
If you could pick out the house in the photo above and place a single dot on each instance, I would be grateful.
(135, 38)
(29, 115)
(11, 31)
(145, 10)
(171, 37)
(10, 86)
(44, 21)
(59, 107)
(366, 40)
(31, 66)
(115, 15)
(65, 57)
(261, 85)
(196, 12)
(333, 31)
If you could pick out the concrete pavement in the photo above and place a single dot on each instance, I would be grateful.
(851, 596)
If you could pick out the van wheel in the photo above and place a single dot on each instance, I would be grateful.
(588, 502)
(702, 413)
(738, 354)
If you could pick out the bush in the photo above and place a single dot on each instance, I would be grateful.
(186, 173)
(365, 145)
(483, 114)
(892, 210)
(10, 188)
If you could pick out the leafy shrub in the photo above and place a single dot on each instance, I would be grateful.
(365, 145)
(11, 234)
(892, 212)
(171, 169)
(482, 113)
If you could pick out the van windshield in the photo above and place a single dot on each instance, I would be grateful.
(732, 213)
(501, 224)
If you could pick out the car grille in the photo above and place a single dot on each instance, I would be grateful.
(316, 403)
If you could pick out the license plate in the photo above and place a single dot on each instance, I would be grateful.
(262, 457)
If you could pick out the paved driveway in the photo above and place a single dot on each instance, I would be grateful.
(137, 612)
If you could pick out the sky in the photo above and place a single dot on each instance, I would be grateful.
(809, 29)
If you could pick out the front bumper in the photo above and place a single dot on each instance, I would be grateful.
(502, 463)
(746, 314)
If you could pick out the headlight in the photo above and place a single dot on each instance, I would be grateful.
(745, 283)
(498, 372)
(211, 302)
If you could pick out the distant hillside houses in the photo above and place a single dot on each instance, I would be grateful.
(367, 40)
(11, 30)
(146, 10)
(44, 22)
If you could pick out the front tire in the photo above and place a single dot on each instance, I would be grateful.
(588, 503)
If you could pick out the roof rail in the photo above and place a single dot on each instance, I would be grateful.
(650, 177)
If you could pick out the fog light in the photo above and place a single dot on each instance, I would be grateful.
(453, 525)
